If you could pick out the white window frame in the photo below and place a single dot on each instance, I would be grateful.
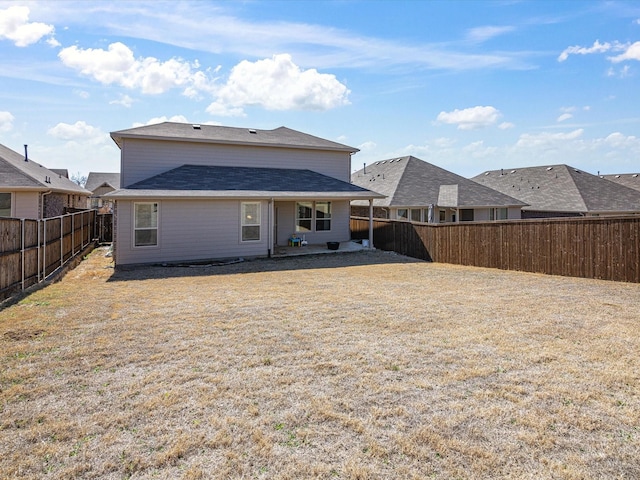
(323, 219)
(246, 221)
(404, 217)
(415, 210)
(313, 219)
(11, 203)
(156, 228)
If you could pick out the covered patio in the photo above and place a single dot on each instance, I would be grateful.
(320, 249)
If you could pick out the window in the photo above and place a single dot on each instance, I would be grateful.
(250, 221)
(310, 214)
(402, 214)
(498, 213)
(145, 224)
(304, 216)
(466, 214)
(443, 216)
(415, 214)
(323, 216)
(5, 204)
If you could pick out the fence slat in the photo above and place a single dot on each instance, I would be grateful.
(31, 250)
(606, 248)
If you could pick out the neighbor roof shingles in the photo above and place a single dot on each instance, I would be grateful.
(98, 179)
(561, 188)
(16, 172)
(409, 181)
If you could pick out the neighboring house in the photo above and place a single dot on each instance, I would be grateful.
(631, 180)
(562, 191)
(421, 192)
(198, 192)
(29, 190)
(99, 184)
(61, 171)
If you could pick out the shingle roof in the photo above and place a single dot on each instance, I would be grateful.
(15, 172)
(99, 179)
(631, 180)
(280, 137)
(561, 188)
(216, 181)
(409, 181)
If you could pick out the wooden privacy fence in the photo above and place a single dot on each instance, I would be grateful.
(607, 248)
(32, 250)
(104, 227)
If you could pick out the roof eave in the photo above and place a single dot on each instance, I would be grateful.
(116, 137)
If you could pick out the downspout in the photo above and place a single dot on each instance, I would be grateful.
(42, 198)
(269, 227)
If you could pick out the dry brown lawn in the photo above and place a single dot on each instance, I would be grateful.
(350, 366)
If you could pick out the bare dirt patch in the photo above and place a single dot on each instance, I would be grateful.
(360, 365)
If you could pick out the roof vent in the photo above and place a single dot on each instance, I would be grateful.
(253, 131)
(549, 169)
(26, 156)
(635, 175)
(617, 176)
(513, 171)
(487, 173)
(196, 126)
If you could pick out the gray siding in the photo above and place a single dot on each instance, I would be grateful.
(210, 229)
(189, 230)
(340, 228)
(145, 158)
(26, 205)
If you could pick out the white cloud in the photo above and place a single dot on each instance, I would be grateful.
(124, 100)
(78, 132)
(367, 146)
(546, 139)
(481, 34)
(15, 26)
(174, 118)
(162, 119)
(470, 118)
(632, 52)
(6, 121)
(563, 117)
(82, 94)
(619, 141)
(479, 150)
(117, 65)
(577, 50)
(278, 84)
(506, 126)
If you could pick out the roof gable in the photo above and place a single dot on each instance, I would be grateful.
(100, 179)
(561, 188)
(409, 181)
(281, 137)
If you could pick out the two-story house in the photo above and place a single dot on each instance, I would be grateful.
(197, 192)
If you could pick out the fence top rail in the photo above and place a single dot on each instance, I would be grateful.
(603, 219)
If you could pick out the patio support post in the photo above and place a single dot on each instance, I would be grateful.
(371, 223)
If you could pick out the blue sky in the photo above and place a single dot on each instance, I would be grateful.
(466, 85)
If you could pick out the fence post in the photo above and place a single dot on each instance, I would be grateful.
(44, 248)
(22, 253)
(73, 237)
(61, 240)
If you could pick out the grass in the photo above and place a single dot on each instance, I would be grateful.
(349, 366)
